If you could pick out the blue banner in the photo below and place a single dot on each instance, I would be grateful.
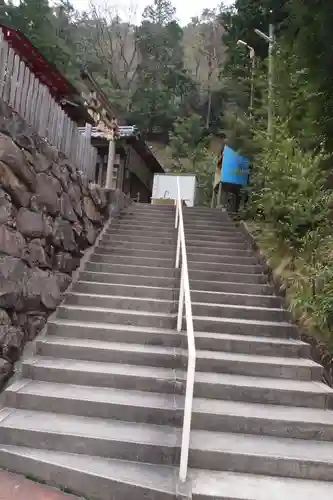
(235, 168)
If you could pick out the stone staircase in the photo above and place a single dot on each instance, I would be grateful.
(97, 409)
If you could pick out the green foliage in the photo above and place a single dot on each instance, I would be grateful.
(45, 28)
(161, 12)
(310, 34)
(292, 203)
(290, 200)
(187, 138)
(188, 150)
(289, 191)
(143, 69)
(162, 79)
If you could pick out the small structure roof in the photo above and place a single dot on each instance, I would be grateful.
(131, 136)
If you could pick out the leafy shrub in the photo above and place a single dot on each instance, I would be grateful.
(290, 193)
(293, 206)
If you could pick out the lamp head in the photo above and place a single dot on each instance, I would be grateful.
(263, 35)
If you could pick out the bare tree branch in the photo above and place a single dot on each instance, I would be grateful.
(116, 44)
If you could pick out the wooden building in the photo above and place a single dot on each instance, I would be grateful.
(133, 163)
(43, 97)
(86, 127)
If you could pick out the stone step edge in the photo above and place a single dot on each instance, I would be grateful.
(162, 331)
(74, 472)
(172, 402)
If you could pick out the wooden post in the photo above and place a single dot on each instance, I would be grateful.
(111, 156)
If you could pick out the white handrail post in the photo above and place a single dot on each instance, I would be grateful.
(185, 299)
(181, 301)
(177, 214)
(187, 419)
(178, 247)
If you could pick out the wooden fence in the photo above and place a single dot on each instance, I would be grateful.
(33, 102)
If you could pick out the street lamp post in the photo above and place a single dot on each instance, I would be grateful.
(253, 63)
(270, 38)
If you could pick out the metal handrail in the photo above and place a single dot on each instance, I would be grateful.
(185, 296)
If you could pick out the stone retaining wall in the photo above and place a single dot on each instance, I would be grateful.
(49, 214)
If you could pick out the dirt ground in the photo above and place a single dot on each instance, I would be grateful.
(14, 487)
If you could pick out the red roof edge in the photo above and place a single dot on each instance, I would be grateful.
(45, 71)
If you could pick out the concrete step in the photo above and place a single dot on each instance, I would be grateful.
(201, 219)
(130, 279)
(139, 231)
(146, 220)
(148, 215)
(170, 221)
(92, 477)
(96, 402)
(133, 260)
(214, 485)
(108, 352)
(91, 373)
(152, 355)
(145, 228)
(240, 256)
(116, 333)
(199, 248)
(149, 208)
(154, 336)
(245, 327)
(229, 238)
(233, 267)
(121, 302)
(209, 221)
(167, 409)
(91, 436)
(221, 386)
(168, 357)
(217, 233)
(147, 241)
(162, 272)
(224, 227)
(264, 346)
(263, 390)
(296, 458)
(236, 311)
(244, 299)
(201, 244)
(258, 366)
(149, 292)
(224, 258)
(206, 216)
(109, 376)
(262, 419)
(212, 227)
(136, 245)
(134, 251)
(123, 317)
(150, 232)
(214, 285)
(231, 275)
(205, 210)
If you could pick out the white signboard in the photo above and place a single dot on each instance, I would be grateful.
(165, 186)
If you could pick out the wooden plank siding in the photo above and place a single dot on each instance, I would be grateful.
(32, 100)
